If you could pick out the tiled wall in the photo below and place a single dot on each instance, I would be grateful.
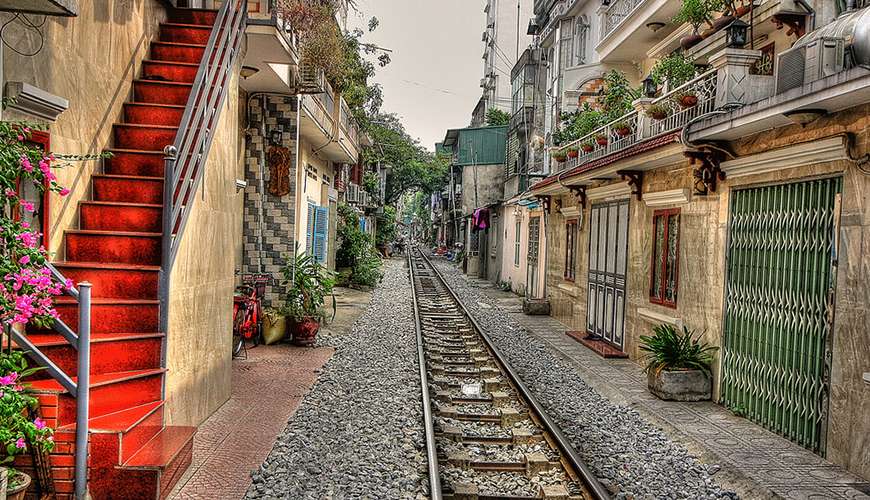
(268, 233)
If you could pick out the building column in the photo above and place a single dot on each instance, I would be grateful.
(735, 87)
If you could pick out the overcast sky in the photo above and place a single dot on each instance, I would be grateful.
(433, 80)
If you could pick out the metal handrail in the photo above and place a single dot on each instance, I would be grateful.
(78, 388)
(185, 159)
(639, 129)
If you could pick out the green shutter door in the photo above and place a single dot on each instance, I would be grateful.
(309, 229)
(779, 307)
(321, 230)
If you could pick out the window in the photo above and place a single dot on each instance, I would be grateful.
(665, 257)
(570, 249)
(581, 34)
(519, 228)
(317, 230)
(566, 44)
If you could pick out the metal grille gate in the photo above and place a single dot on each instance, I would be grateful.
(608, 258)
(532, 259)
(779, 306)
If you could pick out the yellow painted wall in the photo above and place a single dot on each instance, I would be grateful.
(90, 60)
(310, 190)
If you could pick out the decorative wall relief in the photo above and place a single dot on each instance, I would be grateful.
(279, 171)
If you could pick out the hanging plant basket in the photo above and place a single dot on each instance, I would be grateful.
(601, 139)
(687, 100)
(587, 147)
(561, 157)
(573, 152)
(622, 129)
(658, 112)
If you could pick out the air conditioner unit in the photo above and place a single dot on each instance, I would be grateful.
(804, 64)
(311, 79)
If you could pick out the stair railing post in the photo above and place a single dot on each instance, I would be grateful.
(169, 161)
(83, 391)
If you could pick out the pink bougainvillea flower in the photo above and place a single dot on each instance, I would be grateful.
(24, 260)
(20, 137)
(9, 379)
(20, 444)
(25, 225)
(26, 130)
(44, 167)
(39, 423)
(69, 284)
(64, 192)
(25, 164)
(26, 205)
(10, 192)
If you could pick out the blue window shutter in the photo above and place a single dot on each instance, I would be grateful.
(309, 231)
(321, 229)
(362, 224)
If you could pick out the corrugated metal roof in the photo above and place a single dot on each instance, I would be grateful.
(477, 146)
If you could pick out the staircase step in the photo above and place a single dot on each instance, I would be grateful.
(113, 246)
(169, 452)
(119, 281)
(110, 352)
(193, 16)
(144, 113)
(134, 162)
(126, 431)
(119, 216)
(109, 393)
(177, 52)
(145, 137)
(157, 92)
(113, 315)
(169, 71)
(185, 33)
(128, 188)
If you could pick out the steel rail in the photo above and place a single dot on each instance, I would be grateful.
(595, 488)
(428, 418)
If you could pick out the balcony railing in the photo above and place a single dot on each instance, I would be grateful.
(641, 128)
(616, 13)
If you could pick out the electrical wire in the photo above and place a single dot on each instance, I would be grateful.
(29, 25)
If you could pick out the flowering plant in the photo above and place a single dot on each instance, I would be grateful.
(17, 430)
(27, 288)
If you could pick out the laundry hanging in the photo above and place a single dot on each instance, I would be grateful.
(480, 219)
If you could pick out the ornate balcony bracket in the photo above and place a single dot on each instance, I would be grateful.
(545, 202)
(579, 193)
(796, 24)
(706, 170)
(635, 180)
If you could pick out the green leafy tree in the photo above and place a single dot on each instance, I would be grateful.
(386, 228)
(676, 69)
(356, 249)
(618, 95)
(496, 117)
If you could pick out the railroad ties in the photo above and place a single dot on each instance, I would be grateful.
(490, 442)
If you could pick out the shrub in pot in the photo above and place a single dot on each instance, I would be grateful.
(658, 112)
(696, 13)
(678, 364)
(622, 129)
(587, 147)
(573, 152)
(675, 69)
(560, 156)
(686, 99)
(17, 429)
(307, 284)
(601, 139)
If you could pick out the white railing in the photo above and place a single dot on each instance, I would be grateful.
(555, 13)
(634, 128)
(616, 13)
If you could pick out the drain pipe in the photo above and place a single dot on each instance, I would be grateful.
(684, 133)
(850, 5)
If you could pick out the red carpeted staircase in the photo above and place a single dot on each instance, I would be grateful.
(117, 248)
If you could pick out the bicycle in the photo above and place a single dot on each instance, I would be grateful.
(248, 311)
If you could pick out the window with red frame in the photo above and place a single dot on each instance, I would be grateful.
(570, 249)
(664, 278)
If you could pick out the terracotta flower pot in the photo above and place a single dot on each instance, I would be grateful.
(720, 23)
(18, 492)
(623, 131)
(687, 100)
(687, 42)
(601, 140)
(742, 10)
(588, 148)
(658, 115)
(305, 331)
(573, 153)
(560, 159)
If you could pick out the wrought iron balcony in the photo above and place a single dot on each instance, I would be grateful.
(635, 127)
(616, 13)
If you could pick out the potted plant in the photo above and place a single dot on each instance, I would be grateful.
(17, 430)
(686, 99)
(696, 13)
(307, 284)
(601, 139)
(560, 155)
(274, 325)
(658, 112)
(622, 129)
(587, 147)
(678, 366)
(573, 152)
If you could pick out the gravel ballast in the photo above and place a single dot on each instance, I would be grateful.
(631, 457)
(358, 433)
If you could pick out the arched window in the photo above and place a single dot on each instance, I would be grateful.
(581, 36)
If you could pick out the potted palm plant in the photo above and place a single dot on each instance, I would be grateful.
(307, 284)
(678, 364)
(17, 428)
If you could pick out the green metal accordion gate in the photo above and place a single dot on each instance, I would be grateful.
(779, 306)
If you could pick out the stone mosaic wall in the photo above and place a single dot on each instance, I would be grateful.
(269, 220)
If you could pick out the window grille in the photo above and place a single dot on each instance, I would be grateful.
(665, 257)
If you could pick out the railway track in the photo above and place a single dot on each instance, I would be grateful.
(486, 436)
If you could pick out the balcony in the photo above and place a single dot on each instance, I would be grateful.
(328, 124)
(272, 48)
(641, 128)
(624, 35)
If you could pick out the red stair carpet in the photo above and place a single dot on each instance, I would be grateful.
(133, 455)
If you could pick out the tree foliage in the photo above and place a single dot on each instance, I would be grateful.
(412, 167)
(496, 117)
